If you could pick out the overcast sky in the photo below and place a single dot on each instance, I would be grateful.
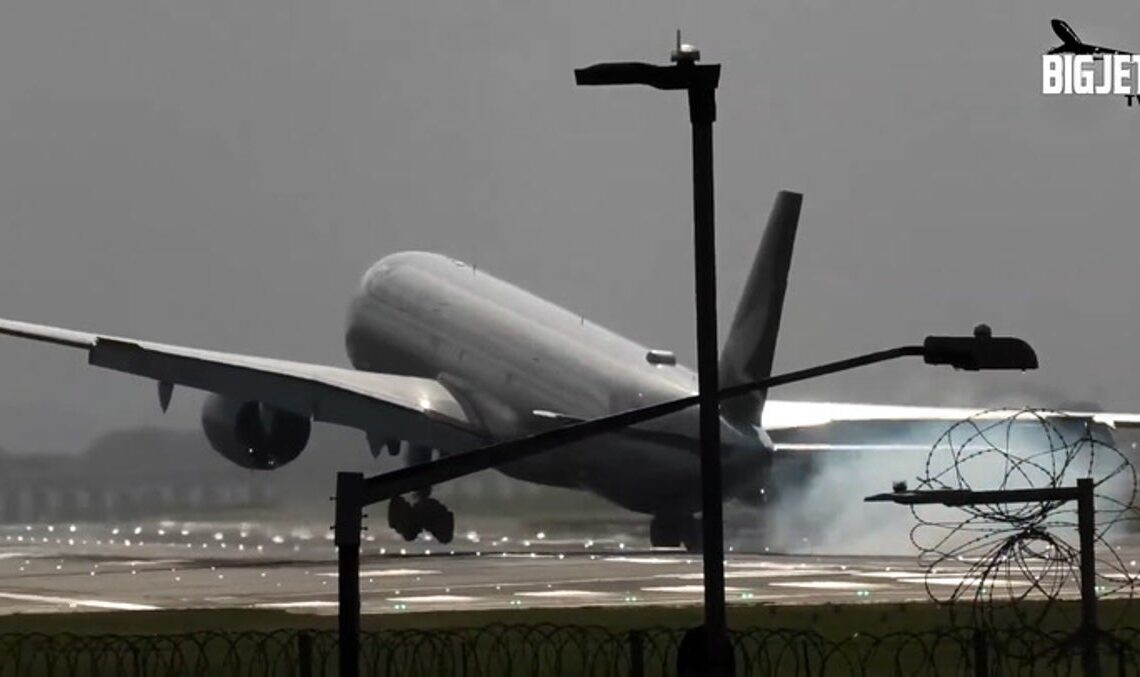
(219, 173)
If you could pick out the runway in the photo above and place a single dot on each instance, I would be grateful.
(198, 564)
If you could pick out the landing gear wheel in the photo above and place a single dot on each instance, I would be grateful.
(436, 519)
(665, 531)
(398, 509)
(402, 517)
(692, 535)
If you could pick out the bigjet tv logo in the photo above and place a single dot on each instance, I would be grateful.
(1085, 74)
(1077, 67)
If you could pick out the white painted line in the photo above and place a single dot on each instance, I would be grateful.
(72, 602)
(312, 604)
(644, 560)
(144, 562)
(894, 575)
(566, 594)
(751, 574)
(695, 589)
(829, 585)
(964, 581)
(434, 599)
(377, 573)
(766, 565)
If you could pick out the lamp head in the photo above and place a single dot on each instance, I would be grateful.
(982, 351)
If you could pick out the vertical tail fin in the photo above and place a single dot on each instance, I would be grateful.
(751, 342)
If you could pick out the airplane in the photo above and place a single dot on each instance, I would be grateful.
(1071, 44)
(446, 358)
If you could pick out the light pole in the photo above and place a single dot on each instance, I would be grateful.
(354, 491)
(700, 82)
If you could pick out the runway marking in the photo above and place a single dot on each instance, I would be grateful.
(969, 582)
(376, 573)
(685, 589)
(72, 602)
(434, 599)
(829, 585)
(894, 575)
(751, 574)
(144, 562)
(566, 594)
(772, 566)
(311, 604)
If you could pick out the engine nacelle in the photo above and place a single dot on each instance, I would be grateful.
(253, 434)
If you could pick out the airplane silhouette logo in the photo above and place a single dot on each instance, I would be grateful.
(1072, 67)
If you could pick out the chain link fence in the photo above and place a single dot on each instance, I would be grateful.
(508, 650)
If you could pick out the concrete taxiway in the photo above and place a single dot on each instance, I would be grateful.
(196, 564)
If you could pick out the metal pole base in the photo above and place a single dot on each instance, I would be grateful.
(702, 656)
(349, 502)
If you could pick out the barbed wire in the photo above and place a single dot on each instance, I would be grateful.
(996, 555)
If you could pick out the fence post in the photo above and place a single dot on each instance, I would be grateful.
(304, 654)
(636, 654)
(981, 654)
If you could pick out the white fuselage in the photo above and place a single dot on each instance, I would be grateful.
(505, 353)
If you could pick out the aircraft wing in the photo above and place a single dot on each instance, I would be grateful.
(418, 410)
(831, 426)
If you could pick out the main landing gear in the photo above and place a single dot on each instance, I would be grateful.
(422, 513)
(425, 514)
(671, 531)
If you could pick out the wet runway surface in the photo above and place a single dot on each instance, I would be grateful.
(173, 564)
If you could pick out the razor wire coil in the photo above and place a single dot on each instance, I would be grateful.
(995, 556)
(509, 650)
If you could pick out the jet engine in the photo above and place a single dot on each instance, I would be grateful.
(252, 434)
